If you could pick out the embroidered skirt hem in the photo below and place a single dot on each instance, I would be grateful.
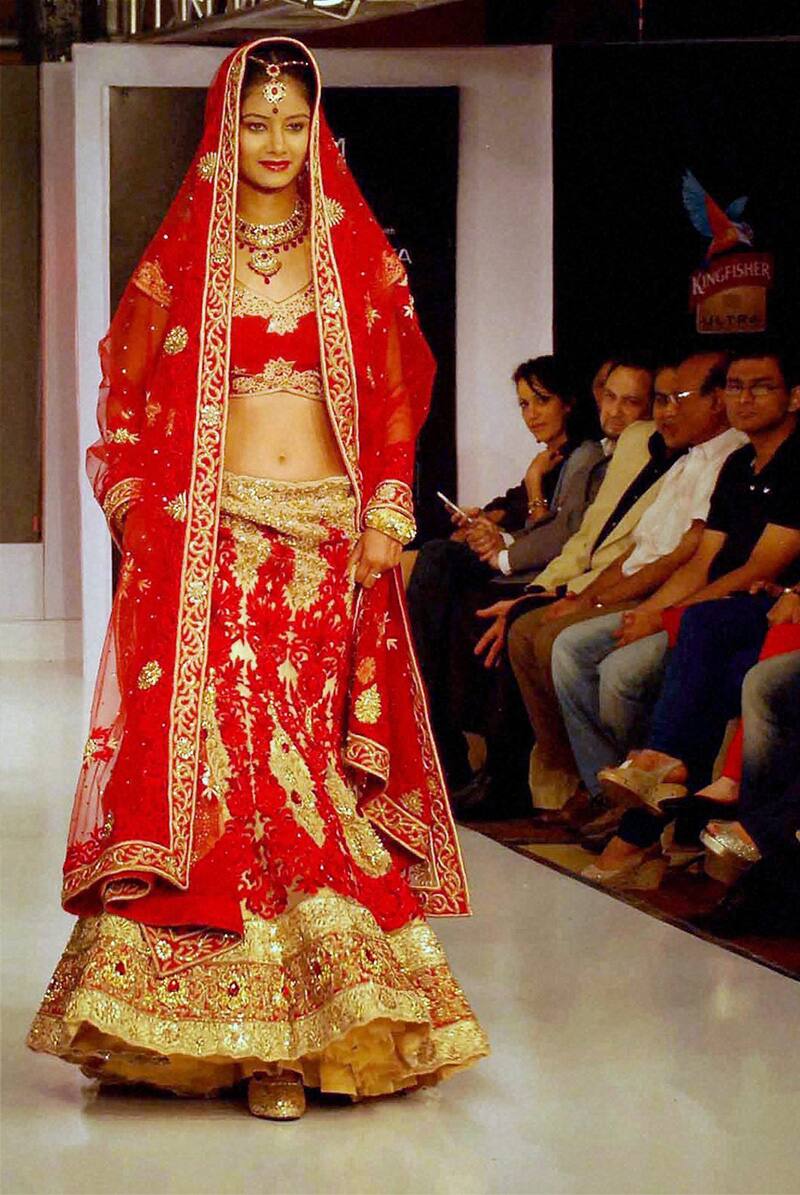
(320, 990)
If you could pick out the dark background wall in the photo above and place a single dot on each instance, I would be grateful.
(628, 121)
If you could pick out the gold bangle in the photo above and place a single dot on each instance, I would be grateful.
(392, 523)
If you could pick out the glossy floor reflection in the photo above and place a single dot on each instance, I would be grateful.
(628, 1056)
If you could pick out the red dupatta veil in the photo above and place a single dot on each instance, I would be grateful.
(136, 843)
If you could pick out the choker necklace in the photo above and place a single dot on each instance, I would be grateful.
(265, 241)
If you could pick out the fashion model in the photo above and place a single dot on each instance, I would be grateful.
(260, 824)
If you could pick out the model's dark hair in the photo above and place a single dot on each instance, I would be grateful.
(556, 376)
(293, 65)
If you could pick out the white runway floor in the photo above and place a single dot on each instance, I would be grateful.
(628, 1056)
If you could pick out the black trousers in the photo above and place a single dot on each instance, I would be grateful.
(448, 585)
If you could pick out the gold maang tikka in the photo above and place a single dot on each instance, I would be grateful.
(275, 90)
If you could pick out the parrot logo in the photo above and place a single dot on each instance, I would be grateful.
(725, 229)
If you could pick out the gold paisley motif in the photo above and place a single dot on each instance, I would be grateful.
(291, 771)
(368, 705)
(150, 674)
(176, 340)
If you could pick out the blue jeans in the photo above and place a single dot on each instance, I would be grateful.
(606, 692)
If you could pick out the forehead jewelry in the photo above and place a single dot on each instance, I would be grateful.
(275, 90)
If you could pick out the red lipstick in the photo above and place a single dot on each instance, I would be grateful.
(278, 167)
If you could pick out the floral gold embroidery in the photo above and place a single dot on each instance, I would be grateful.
(121, 435)
(368, 705)
(334, 211)
(151, 412)
(219, 764)
(206, 167)
(210, 415)
(282, 315)
(413, 801)
(176, 340)
(150, 674)
(176, 507)
(279, 377)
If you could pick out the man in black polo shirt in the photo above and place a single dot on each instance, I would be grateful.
(752, 535)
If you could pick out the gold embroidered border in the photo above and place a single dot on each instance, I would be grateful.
(288, 989)
(452, 898)
(279, 376)
(117, 500)
(401, 825)
(394, 495)
(338, 365)
(367, 755)
(203, 498)
(282, 315)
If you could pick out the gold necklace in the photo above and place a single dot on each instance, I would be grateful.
(265, 241)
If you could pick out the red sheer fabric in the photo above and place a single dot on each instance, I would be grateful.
(134, 843)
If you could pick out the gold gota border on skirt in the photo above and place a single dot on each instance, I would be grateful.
(320, 990)
(290, 506)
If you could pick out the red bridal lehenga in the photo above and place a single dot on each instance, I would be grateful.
(260, 825)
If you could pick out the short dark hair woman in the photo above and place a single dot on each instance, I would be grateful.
(261, 820)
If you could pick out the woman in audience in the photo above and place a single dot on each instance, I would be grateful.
(452, 580)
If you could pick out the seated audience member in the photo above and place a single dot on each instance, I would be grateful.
(757, 787)
(451, 578)
(600, 378)
(556, 512)
(752, 536)
(696, 430)
(761, 791)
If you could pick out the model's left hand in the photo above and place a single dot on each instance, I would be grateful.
(374, 553)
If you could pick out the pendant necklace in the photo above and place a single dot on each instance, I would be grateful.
(265, 241)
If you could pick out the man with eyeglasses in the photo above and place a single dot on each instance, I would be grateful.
(751, 536)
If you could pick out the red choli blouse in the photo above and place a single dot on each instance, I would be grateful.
(275, 345)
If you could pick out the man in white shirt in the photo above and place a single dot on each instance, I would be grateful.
(666, 536)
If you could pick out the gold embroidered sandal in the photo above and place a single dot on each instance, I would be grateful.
(627, 786)
(643, 872)
(276, 1097)
(727, 855)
